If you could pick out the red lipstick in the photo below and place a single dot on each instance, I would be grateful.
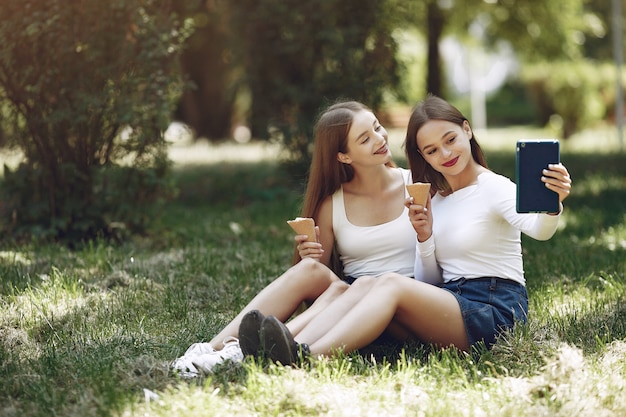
(451, 162)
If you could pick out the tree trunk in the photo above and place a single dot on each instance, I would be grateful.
(435, 23)
(208, 108)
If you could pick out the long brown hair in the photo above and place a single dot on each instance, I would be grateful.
(434, 108)
(326, 173)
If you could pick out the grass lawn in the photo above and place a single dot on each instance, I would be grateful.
(91, 332)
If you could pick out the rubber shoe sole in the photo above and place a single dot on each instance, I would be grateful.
(277, 341)
(250, 333)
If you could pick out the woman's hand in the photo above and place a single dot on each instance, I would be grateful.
(557, 179)
(421, 218)
(309, 249)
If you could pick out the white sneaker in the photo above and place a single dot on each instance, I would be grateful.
(205, 363)
(199, 349)
(184, 364)
(185, 367)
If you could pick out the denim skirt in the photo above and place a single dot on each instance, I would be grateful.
(489, 306)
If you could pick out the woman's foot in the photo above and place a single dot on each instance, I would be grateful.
(279, 345)
(249, 333)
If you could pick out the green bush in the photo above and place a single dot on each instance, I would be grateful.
(579, 93)
(124, 201)
(510, 105)
(90, 88)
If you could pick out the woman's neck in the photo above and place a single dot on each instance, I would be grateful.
(466, 178)
(370, 180)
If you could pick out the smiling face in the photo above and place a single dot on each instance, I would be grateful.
(437, 124)
(367, 141)
(446, 146)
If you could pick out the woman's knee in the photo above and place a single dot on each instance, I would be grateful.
(364, 282)
(338, 287)
(315, 270)
(329, 293)
(393, 280)
(312, 276)
(310, 266)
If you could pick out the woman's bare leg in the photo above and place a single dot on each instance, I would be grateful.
(330, 307)
(323, 319)
(335, 289)
(432, 314)
(305, 281)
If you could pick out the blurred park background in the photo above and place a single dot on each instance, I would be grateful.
(96, 97)
(151, 152)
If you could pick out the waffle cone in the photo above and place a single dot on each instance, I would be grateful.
(419, 191)
(304, 226)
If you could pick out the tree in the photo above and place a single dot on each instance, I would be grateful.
(536, 29)
(90, 88)
(435, 20)
(550, 39)
(300, 55)
(208, 61)
(597, 43)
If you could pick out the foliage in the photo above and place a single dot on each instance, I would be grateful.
(537, 29)
(412, 63)
(510, 105)
(90, 87)
(581, 93)
(301, 55)
(598, 42)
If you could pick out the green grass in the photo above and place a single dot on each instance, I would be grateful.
(91, 331)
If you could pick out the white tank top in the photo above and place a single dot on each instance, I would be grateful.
(374, 250)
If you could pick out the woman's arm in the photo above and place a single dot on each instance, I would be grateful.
(540, 226)
(326, 236)
(426, 268)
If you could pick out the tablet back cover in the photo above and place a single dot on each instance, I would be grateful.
(532, 156)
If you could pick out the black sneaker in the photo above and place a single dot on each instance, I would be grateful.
(279, 344)
(249, 333)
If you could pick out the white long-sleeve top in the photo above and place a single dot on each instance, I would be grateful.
(477, 233)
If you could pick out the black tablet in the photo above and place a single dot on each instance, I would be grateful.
(532, 156)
